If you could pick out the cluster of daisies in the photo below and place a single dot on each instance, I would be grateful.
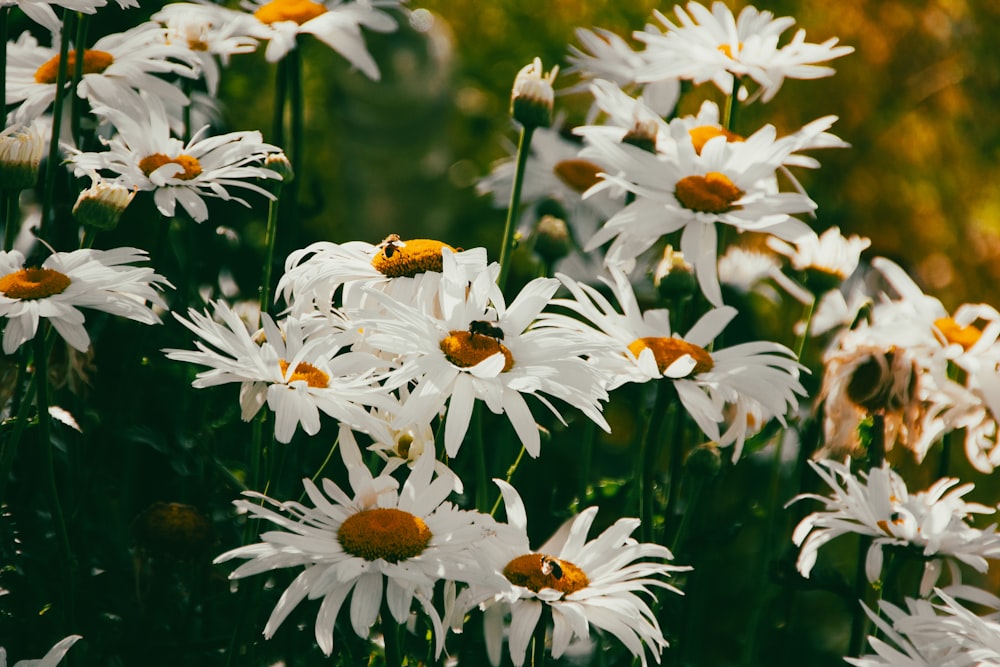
(397, 344)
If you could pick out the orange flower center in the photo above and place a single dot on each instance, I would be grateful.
(728, 50)
(711, 193)
(538, 571)
(33, 283)
(466, 349)
(94, 62)
(387, 533)
(954, 333)
(299, 11)
(577, 174)
(701, 134)
(399, 259)
(313, 376)
(668, 350)
(192, 168)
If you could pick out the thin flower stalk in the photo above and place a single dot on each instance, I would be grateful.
(507, 245)
(51, 166)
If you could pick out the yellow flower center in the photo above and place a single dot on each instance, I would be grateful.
(192, 168)
(577, 174)
(701, 134)
(966, 336)
(466, 349)
(399, 259)
(94, 62)
(313, 376)
(668, 350)
(33, 283)
(538, 571)
(299, 11)
(728, 50)
(387, 533)
(711, 193)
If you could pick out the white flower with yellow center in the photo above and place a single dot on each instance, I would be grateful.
(758, 380)
(209, 32)
(464, 344)
(402, 268)
(117, 66)
(605, 55)
(717, 46)
(336, 23)
(600, 583)
(383, 546)
(826, 260)
(143, 155)
(731, 183)
(934, 523)
(298, 373)
(105, 280)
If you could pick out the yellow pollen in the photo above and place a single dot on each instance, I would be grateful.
(966, 336)
(711, 193)
(728, 50)
(299, 11)
(192, 168)
(668, 350)
(33, 283)
(701, 134)
(94, 62)
(409, 258)
(577, 174)
(465, 349)
(387, 533)
(313, 376)
(538, 571)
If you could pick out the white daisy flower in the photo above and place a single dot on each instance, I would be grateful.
(210, 32)
(758, 380)
(380, 545)
(105, 280)
(336, 23)
(52, 658)
(716, 46)
(934, 523)
(298, 374)
(930, 633)
(116, 67)
(402, 268)
(40, 11)
(143, 155)
(827, 260)
(598, 583)
(730, 183)
(605, 55)
(467, 344)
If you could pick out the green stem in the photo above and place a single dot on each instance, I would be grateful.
(480, 449)
(280, 94)
(697, 486)
(4, 14)
(390, 633)
(646, 458)
(45, 438)
(732, 105)
(859, 620)
(20, 408)
(800, 344)
(290, 203)
(510, 475)
(507, 246)
(48, 190)
(538, 638)
(269, 241)
(586, 453)
(75, 101)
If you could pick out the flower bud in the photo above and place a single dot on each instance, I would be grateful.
(21, 150)
(673, 276)
(532, 97)
(101, 205)
(704, 460)
(279, 164)
(552, 238)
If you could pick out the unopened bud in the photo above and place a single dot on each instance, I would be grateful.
(279, 164)
(101, 205)
(532, 97)
(673, 276)
(21, 150)
(704, 460)
(552, 238)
